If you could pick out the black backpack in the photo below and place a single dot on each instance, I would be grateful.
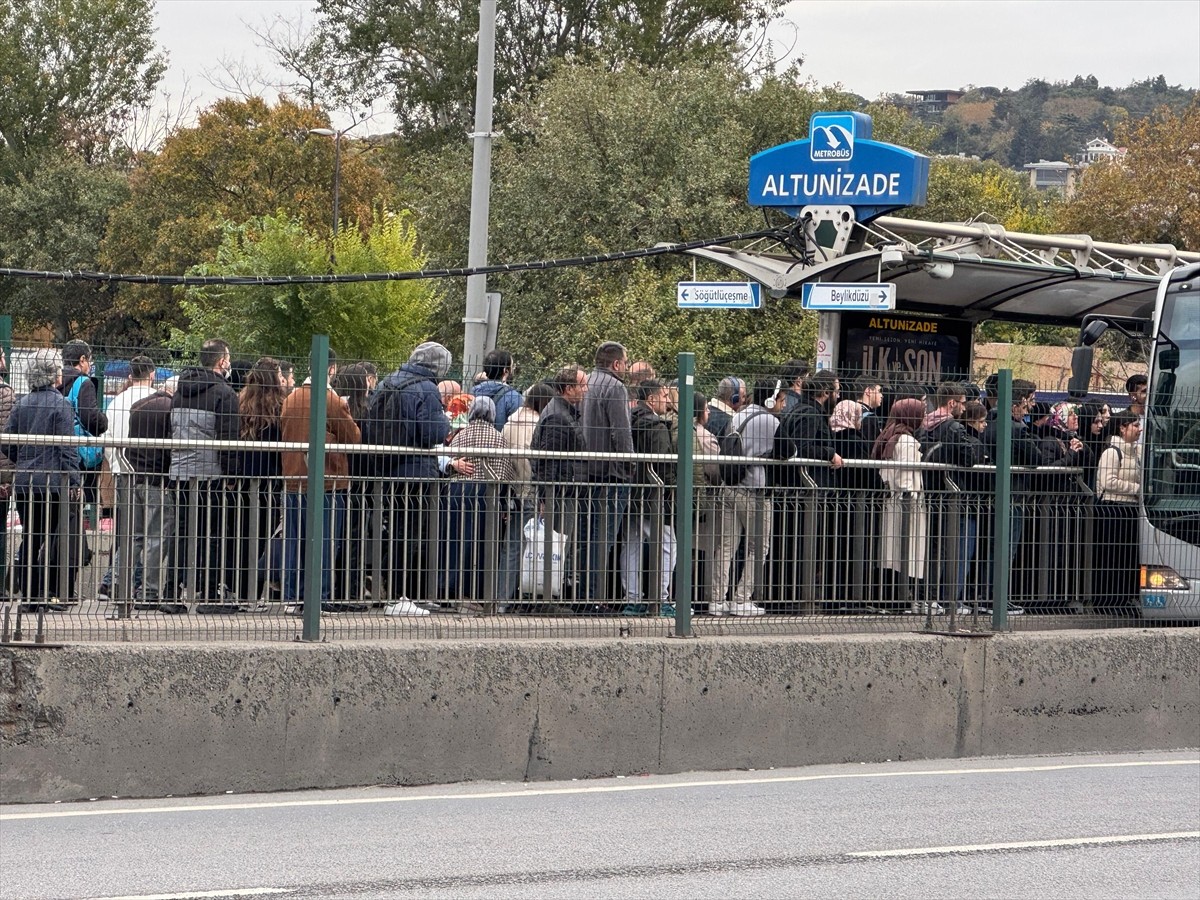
(731, 445)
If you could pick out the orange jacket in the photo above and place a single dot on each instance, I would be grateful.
(339, 429)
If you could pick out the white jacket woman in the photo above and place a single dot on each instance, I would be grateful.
(905, 525)
(1119, 472)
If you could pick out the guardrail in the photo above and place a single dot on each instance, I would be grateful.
(210, 559)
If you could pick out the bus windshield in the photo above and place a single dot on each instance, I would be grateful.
(1172, 439)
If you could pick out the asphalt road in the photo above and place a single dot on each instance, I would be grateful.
(1116, 826)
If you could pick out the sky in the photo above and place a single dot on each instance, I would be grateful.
(868, 46)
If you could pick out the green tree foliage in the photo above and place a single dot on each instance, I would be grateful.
(422, 53)
(243, 159)
(71, 72)
(364, 321)
(617, 160)
(962, 190)
(1049, 121)
(54, 217)
(1149, 196)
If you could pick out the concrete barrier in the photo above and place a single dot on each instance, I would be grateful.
(150, 720)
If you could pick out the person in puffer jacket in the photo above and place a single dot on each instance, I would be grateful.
(204, 407)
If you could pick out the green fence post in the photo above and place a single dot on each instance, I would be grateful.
(1002, 552)
(6, 344)
(314, 536)
(684, 496)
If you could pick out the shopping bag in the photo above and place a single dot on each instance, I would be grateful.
(533, 559)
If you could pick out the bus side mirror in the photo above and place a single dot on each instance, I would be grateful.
(1081, 372)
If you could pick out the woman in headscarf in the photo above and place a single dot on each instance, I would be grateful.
(1061, 444)
(1094, 416)
(477, 504)
(905, 516)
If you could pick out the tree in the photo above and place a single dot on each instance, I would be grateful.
(369, 320)
(54, 218)
(1152, 195)
(422, 53)
(243, 159)
(963, 189)
(71, 73)
(618, 160)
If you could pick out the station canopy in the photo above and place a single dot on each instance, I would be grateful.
(971, 271)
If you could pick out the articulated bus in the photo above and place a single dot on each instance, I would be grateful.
(1170, 526)
(1169, 537)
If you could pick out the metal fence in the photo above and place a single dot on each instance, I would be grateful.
(235, 558)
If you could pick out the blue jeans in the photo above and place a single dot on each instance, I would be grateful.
(295, 515)
(968, 537)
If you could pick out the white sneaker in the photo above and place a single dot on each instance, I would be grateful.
(718, 609)
(746, 609)
(933, 608)
(404, 607)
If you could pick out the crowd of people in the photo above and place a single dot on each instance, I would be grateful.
(221, 525)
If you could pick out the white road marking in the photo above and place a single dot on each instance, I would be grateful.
(106, 810)
(1026, 845)
(231, 892)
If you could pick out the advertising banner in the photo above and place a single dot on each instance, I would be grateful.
(900, 348)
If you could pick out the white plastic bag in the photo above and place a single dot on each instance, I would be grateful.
(533, 559)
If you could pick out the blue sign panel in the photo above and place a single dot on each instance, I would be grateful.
(839, 164)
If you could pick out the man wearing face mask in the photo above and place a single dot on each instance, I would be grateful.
(204, 407)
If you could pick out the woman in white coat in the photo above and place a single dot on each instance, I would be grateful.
(905, 526)
(1118, 482)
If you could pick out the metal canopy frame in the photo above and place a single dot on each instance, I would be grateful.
(973, 271)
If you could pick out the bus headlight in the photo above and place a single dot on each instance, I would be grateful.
(1163, 578)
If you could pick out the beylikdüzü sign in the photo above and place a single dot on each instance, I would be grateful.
(839, 164)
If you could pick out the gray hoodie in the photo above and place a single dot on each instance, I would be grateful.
(758, 439)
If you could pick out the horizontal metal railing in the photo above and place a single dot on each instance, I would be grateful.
(225, 558)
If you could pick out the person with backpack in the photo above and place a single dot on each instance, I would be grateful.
(77, 364)
(406, 411)
(499, 368)
(82, 390)
(744, 504)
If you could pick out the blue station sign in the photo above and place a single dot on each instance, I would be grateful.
(839, 164)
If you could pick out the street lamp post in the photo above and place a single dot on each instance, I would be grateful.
(337, 168)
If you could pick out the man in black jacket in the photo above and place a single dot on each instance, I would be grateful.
(804, 433)
(944, 439)
(77, 363)
(1025, 452)
(651, 504)
(558, 430)
(153, 525)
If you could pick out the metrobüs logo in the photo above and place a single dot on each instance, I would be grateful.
(831, 138)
